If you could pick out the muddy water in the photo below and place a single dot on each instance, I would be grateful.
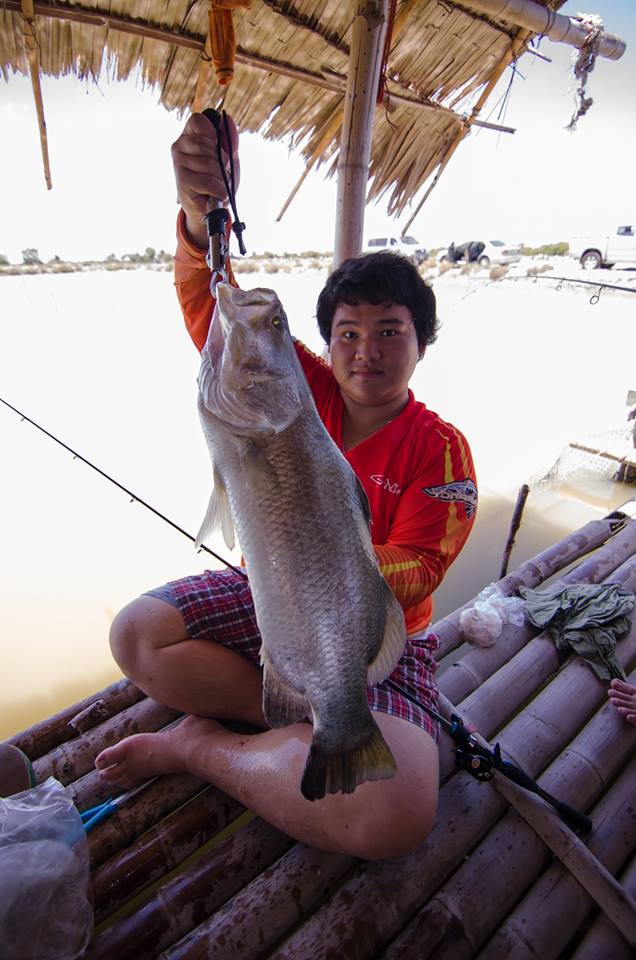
(521, 373)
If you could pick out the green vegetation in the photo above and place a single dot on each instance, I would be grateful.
(547, 250)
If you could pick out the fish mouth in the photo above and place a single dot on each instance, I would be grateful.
(253, 378)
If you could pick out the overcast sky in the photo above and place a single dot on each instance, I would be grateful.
(113, 188)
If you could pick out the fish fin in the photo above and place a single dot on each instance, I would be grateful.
(282, 704)
(217, 514)
(392, 646)
(331, 772)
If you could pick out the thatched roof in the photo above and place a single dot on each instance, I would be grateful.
(292, 59)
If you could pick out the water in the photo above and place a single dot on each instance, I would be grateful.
(102, 360)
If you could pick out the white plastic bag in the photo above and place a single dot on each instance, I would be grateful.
(482, 623)
(45, 912)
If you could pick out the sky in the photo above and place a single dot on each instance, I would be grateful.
(113, 188)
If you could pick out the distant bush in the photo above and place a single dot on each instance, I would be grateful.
(245, 266)
(498, 271)
(272, 267)
(62, 266)
(547, 250)
(535, 271)
(445, 265)
(4, 261)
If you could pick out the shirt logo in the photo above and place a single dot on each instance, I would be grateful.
(462, 491)
(385, 483)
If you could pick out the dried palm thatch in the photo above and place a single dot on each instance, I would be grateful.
(291, 61)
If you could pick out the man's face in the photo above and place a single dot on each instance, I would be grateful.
(373, 350)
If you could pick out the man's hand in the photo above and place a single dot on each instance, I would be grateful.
(197, 171)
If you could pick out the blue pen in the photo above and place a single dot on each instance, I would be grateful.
(94, 815)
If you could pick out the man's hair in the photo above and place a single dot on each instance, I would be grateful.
(379, 278)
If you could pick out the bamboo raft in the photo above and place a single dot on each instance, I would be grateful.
(183, 871)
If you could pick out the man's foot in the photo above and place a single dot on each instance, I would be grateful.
(146, 755)
(623, 696)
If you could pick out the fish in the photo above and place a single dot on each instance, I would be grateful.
(461, 491)
(329, 622)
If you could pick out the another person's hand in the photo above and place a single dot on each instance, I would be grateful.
(197, 171)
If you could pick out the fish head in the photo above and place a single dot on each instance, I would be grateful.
(251, 378)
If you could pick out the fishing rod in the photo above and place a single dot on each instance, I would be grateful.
(133, 496)
(599, 284)
(480, 762)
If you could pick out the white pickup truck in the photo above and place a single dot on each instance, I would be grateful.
(605, 251)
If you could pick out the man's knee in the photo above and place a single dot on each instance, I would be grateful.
(393, 835)
(140, 630)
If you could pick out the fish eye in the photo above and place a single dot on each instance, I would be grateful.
(277, 322)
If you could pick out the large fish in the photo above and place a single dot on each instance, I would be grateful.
(329, 622)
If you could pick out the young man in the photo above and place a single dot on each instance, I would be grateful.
(193, 644)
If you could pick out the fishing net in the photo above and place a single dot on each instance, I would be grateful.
(608, 456)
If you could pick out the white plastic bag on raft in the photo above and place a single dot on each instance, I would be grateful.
(45, 912)
(482, 623)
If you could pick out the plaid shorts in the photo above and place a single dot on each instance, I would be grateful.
(217, 605)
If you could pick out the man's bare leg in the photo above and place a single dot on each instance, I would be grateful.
(623, 696)
(384, 818)
(150, 643)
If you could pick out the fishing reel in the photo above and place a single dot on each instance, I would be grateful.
(469, 754)
(475, 763)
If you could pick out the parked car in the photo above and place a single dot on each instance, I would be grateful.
(601, 250)
(408, 246)
(483, 252)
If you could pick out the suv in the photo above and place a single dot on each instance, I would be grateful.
(407, 246)
(604, 250)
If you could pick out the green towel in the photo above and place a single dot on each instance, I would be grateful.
(587, 618)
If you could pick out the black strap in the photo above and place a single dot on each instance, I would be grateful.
(217, 119)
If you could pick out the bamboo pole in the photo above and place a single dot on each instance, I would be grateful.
(265, 910)
(174, 910)
(542, 20)
(544, 922)
(369, 29)
(48, 734)
(32, 46)
(69, 761)
(514, 666)
(576, 685)
(374, 904)
(161, 848)
(466, 910)
(133, 818)
(534, 572)
(603, 939)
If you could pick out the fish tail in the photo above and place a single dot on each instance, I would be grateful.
(331, 771)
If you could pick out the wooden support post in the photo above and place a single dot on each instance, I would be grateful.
(369, 29)
(33, 56)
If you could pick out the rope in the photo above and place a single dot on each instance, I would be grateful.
(584, 64)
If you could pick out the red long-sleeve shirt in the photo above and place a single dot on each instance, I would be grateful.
(417, 470)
